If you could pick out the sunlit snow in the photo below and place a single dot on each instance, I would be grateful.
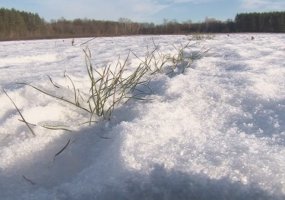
(216, 131)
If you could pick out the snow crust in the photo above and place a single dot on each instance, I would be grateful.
(215, 132)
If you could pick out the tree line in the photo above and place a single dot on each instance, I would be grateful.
(16, 24)
(261, 22)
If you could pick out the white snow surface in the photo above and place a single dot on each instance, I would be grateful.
(215, 132)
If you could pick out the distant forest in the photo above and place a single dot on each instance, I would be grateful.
(16, 24)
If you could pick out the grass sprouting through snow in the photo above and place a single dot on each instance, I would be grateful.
(110, 87)
(114, 85)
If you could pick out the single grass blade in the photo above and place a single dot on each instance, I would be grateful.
(74, 89)
(87, 41)
(27, 124)
(28, 180)
(53, 83)
(58, 153)
(57, 128)
(56, 97)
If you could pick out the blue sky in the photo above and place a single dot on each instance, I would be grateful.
(143, 10)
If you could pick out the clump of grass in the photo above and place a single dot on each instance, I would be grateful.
(154, 60)
(158, 62)
(113, 85)
(108, 88)
(180, 61)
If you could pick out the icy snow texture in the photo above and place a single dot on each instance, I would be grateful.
(215, 132)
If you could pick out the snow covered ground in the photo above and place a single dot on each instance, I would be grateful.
(215, 132)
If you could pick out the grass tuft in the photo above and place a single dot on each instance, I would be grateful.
(112, 86)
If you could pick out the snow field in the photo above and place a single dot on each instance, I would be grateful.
(215, 132)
